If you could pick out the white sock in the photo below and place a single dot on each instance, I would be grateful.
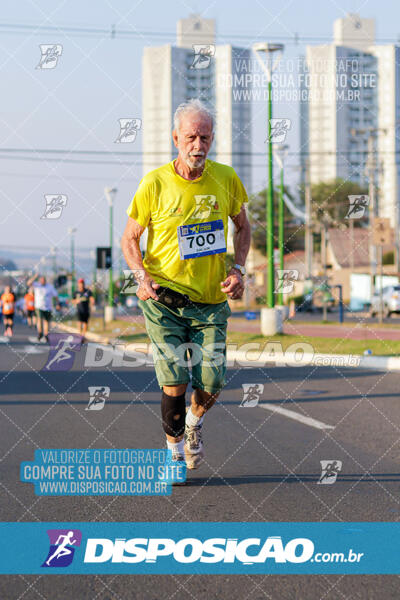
(191, 419)
(177, 448)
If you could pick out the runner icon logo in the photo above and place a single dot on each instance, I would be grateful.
(286, 280)
(251, 394)
(330, 471)
(54, 206)
(202, 55)
(132, 281)
(97, 397)
(62, 547)
(50, 55)
(279, 129)
(63, 347)
(357, 206)
(128, 130)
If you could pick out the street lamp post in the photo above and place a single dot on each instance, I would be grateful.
(371, 133)
(71, 232)
(53, 254)
(269, 323)
(109, 310)
(280, 152)
(94, 277)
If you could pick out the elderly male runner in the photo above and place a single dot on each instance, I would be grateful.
(183, 287)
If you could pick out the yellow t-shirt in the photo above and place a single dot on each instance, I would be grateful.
(164, 201)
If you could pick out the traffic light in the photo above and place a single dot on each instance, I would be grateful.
(103, 260)
(60, 281)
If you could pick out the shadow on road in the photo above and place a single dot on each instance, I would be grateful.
(285, 478)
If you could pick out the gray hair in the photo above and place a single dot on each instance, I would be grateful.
(192, 106)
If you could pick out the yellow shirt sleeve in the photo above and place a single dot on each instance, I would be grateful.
(140, 207)
(238, 196)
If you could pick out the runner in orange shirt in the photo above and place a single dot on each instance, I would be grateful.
(29, 306)
(7, 305)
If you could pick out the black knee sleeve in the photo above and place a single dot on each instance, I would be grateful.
(173, 412)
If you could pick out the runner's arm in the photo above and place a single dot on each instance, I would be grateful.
(133, 256)
(241, 236)
(233, 285)
(32, 279)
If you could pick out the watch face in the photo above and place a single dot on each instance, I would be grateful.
(241, 269)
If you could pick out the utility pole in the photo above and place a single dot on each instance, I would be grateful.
(53, 253)
(271, 322)
(308, 245)
(280, 152)
(324, 244)
(370, 167)
(72, 231)
(109, 310)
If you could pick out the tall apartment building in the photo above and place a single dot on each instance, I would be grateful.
(353, 84)
(170, 79)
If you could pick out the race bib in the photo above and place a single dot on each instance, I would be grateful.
(201, 239)
(8, 306)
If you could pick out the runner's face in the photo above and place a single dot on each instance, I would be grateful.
(194, 139)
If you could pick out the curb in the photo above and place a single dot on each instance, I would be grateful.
(282, 359)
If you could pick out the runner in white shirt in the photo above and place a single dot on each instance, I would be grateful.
(44, 294)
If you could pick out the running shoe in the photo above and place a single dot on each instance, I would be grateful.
(173, 460)
(194, 452)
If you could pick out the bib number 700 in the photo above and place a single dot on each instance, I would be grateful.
(201, 239)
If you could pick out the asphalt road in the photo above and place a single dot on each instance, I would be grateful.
(259, 466)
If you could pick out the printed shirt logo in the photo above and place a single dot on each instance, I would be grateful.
(177, 211)
(62, 547)
(205, 205)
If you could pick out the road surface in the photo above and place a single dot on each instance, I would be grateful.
(260, 465)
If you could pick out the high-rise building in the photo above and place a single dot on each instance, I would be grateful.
(353, 92)
(174, 74)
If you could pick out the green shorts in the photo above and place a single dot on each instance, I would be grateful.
(193, 335)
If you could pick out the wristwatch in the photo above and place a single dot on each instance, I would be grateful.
(241, 269)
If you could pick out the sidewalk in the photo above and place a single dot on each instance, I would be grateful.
(354, 331)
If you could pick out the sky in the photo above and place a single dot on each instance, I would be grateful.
(77, 105)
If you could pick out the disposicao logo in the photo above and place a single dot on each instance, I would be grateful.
(62, 547)
(190, 550)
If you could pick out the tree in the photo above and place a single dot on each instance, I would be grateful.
(330, 200)
(293, 230)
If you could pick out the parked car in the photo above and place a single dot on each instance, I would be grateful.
(390, 301)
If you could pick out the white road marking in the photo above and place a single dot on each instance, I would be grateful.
(296, 416)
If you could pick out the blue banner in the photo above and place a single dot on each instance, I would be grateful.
(212, 548)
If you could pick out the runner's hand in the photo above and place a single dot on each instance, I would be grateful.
(146, 289)
(233, 285)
